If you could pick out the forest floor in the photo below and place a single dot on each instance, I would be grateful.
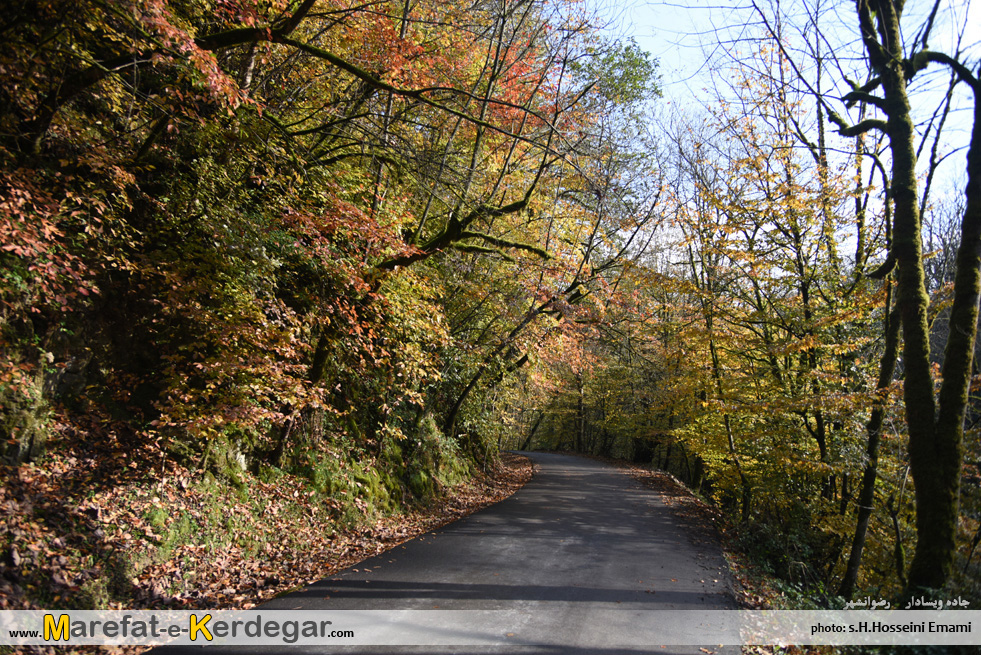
(75, 533)
(75, 536)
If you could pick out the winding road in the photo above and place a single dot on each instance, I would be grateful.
(575, 561)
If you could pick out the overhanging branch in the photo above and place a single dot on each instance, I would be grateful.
(504, 243)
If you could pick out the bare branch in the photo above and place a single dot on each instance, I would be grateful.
(963, 72)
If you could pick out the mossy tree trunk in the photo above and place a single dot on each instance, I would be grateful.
(935, 423)
(940, 461)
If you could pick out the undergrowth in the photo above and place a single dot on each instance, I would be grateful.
(124, 526)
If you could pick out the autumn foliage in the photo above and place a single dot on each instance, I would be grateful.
(264, 245)
(322, 260)
(753, 349)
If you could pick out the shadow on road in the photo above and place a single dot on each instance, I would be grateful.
(578, 543)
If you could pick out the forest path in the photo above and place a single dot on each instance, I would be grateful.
(563, 559)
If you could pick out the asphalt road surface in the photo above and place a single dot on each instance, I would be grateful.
(583, 559)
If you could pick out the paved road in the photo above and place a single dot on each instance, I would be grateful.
(574, 561)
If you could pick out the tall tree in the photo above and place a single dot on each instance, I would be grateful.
(934, 417)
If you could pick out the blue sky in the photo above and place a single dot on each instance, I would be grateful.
(683, 34)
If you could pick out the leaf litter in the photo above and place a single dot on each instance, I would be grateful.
(87, 529)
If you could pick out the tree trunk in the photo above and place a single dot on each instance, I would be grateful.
(937, 469)
(866, 497)
(935, 522)
(531, 434)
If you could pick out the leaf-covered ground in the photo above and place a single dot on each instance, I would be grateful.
(126, 528)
